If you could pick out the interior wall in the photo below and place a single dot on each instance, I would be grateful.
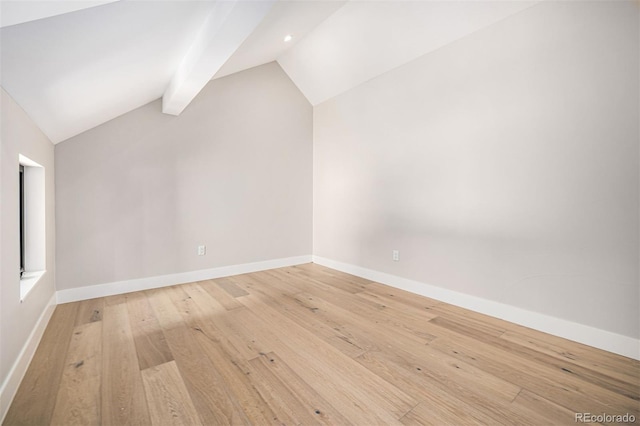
(504, 166)
(20, 135)
(137, 195)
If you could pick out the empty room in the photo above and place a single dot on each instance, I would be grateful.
(296, 212)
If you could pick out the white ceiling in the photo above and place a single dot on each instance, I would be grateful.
(73, 68)
(367, 38)
(74, 71)
(266, 43)
(19, 11)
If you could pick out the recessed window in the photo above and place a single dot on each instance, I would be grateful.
(32, 224)
(21, 220)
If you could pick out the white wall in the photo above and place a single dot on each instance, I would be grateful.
(19, 320)
(137, 195)
(504, 166)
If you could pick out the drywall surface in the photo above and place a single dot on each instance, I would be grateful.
(136, 196)
(18, 320)
(504, 165)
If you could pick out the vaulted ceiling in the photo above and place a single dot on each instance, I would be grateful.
(73, 65)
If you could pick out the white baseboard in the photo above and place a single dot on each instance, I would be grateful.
(601, 339)
(121, 287)
(19, 368)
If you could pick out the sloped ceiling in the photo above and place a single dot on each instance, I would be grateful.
(367, 38)
(72, 68)
(74, 71)
(16, 12)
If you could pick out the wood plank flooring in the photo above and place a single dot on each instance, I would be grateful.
(308, 345)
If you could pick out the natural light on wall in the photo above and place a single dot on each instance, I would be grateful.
(32, 228)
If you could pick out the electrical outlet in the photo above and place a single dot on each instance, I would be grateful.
(395, 255)
(202, 250)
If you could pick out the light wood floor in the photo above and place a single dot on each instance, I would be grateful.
(307, 345)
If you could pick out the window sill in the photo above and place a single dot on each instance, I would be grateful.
(28, 281)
